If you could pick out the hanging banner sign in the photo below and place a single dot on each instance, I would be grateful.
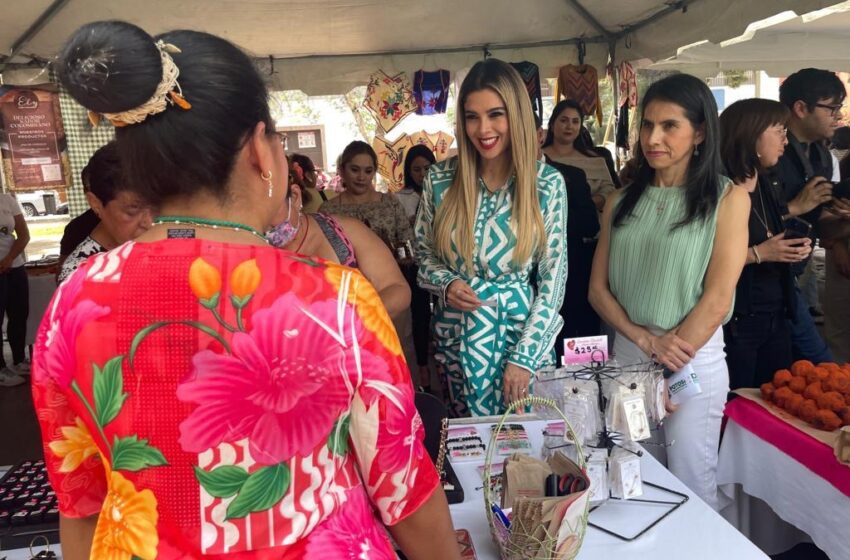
(32, 139)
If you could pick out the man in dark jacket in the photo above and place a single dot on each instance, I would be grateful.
(814, 98)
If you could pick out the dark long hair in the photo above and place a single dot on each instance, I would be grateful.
(419, 150)
(702, 186)
(583, 142)
(741, 125)
(114, 66)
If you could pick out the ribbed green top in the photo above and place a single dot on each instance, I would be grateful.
(657, 272)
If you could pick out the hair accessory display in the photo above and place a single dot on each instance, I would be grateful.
(168, 92)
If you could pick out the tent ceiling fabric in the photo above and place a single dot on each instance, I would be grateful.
(291, 30)
(817, 40)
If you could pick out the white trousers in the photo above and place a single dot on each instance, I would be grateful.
(693, 431)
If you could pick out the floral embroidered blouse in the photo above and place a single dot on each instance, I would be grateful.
(229, 401)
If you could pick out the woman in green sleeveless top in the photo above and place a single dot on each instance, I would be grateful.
(670, 252)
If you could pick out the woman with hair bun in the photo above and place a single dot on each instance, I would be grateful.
(200, 392)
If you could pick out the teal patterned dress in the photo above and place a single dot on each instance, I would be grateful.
(522, 321)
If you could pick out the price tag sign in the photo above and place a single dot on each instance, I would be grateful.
(585, 350)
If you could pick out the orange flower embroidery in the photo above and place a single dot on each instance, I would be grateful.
(245, 279)
(369, 307)
(76, 446)
(126, 527)
(204, 279)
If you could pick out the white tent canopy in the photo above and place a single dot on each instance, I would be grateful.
(330, 46)
(779, 45)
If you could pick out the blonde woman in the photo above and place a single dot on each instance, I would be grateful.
(492, 223)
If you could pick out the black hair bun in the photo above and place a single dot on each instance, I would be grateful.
(110, 66)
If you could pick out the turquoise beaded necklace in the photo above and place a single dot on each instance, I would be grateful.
(213, 224)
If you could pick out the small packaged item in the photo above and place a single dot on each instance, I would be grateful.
(598, 475)
(634, 414)
(464, 443)
(683, 385)
(512, 438)
(624, 475)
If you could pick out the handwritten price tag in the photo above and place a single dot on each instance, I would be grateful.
(585, 350)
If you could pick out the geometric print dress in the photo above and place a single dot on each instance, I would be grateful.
(224, 401)
(520, 319)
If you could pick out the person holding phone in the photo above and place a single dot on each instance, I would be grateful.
(814, 98)
(671, 249)
(758, 340)
(492, 222)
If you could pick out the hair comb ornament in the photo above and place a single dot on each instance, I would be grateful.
(168, 92)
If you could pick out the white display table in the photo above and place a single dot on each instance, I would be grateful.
(693, 531)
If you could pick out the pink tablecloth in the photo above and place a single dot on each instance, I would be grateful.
(815, 455)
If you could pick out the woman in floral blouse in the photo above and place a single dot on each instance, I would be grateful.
(200, 393)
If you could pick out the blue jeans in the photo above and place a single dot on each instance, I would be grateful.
(806, 341)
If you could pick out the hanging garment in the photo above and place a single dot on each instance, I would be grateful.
(441, 143)
(623, 127)
(391, 160)
(581, 84)
(530, 74)
(389, 99)
(627, 85)
(431, 91)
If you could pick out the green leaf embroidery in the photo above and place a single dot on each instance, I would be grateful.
(338, 440)
(263, 489)
(109, 395)
(212, 302)
(132, 454)
(240, 302)
(222, 482)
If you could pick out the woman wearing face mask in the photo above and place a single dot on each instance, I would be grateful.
(670, 252)
(202, 394)
(342, 240)
(493, 221)
(123, 214)
(381, 212)
(758, 342)
(569, 142)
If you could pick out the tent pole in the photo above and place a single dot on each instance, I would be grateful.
(588, 17)
(33, 30)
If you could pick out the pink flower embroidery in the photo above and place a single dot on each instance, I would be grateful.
(282, 388)
(399, 436)
(351, 533)
(57, 340)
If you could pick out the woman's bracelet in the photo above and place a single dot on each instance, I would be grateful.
(756, 254)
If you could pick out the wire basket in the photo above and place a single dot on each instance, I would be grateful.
(566, 543)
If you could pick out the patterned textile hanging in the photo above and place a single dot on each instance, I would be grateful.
(581, 84)
(431, 91)
(530, 74)
(627, 85)
(389, 99)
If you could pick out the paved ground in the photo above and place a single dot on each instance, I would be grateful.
(45, 234)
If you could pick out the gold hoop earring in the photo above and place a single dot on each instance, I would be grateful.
(267, 177)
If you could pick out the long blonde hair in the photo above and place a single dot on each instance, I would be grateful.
(455, 218)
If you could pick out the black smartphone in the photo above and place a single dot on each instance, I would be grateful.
(796, 228)
(841, 190)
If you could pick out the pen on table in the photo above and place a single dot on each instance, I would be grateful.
(501, 515)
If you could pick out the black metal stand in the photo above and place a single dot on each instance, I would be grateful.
(609, 439)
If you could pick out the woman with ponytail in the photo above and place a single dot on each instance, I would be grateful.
(492, 222)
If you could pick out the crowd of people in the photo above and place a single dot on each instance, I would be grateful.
(234, 319)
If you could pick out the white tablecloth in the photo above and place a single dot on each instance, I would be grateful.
(694, 531)
(752, 467)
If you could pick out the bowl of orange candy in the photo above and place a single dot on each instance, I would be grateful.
(817, 394)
